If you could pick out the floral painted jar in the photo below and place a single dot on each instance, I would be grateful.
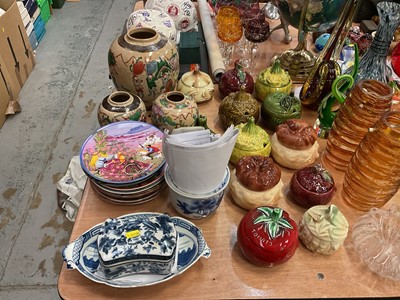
(173, 110)
(144, 62)
(121, 106)
(197, 84)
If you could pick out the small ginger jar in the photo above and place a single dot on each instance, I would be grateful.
(121, 106)
(173, 110)
(197, 84)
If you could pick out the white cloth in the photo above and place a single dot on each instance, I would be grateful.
(71, 187)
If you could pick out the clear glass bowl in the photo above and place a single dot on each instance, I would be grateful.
(376, 240)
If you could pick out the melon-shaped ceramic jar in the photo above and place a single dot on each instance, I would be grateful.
(173, 110)
(121, 106)
(144, 62)
(237, 108)
(197, 84)
(267, 236)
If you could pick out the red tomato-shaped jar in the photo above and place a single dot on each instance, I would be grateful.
(267, 236)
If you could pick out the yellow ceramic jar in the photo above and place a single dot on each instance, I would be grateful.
(271, 80)
(197, 84)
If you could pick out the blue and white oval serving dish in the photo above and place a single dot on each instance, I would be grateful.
(83, 255)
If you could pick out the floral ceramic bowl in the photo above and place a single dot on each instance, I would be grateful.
(196, 206)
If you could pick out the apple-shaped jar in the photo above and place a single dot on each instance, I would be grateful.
(279, 107)
(173, 110)
(235, 79)
(267, 236)
(323, 229)
(312, 185)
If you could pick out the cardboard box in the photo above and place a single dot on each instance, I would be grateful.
(16, 55)
(15, 48)
(6, 91)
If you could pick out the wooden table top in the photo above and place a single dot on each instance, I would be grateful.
(227, 273)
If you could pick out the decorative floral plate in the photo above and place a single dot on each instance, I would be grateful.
(82, 254)
(123, 152)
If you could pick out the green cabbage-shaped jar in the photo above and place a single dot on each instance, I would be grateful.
(279, 107)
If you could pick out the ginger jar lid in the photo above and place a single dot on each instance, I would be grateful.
(196, 79)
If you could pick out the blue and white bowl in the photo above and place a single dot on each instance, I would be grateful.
(196, 206)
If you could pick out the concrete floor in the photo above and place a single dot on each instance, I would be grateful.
(59, 103)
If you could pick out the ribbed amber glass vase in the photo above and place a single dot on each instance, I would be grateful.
(373, 175)
(366, 103)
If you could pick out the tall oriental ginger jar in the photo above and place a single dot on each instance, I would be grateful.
(144, 62)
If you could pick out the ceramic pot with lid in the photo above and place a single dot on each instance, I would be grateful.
(267, 236)
(197, 84)
(237, 108)
(235, 79)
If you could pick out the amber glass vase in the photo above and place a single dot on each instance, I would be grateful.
(366, 103)
(373, 175)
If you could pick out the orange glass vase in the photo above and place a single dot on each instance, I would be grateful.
(366, 103)
(373, 175)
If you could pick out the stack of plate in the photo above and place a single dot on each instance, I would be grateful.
(124, 162)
